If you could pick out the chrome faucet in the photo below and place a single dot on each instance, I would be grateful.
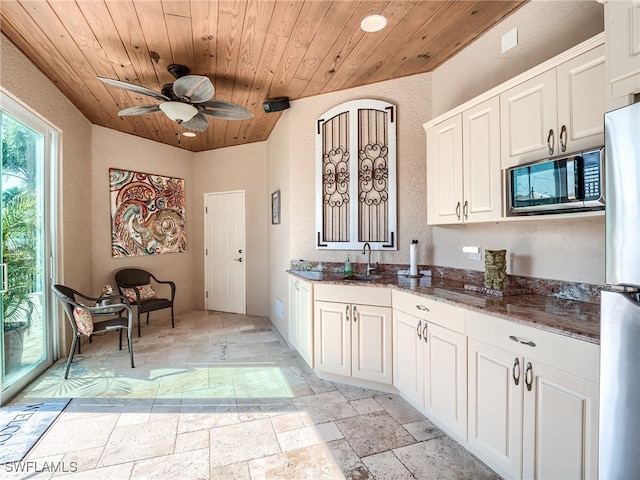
(364, 251)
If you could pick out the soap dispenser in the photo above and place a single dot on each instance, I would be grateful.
(348, 266)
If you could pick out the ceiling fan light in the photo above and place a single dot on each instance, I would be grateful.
(373, 23)
(189, 134)
(178, 111)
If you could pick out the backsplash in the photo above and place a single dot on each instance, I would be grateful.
(583, 292)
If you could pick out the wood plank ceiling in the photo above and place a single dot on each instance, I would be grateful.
(251, 50)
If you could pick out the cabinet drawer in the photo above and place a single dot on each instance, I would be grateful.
(432, 311)
(573, 356)
(380, 296)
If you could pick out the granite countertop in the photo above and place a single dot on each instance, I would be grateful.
(572, 318)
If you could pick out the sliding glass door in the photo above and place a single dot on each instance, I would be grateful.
(27, 148)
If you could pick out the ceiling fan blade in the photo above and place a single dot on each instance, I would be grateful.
(193, 88)
(139, 110)
(198, 123)
(224, 110)
(132, 87)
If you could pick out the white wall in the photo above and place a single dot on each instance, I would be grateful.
(412, 97)
(566, 250)
(237, 168)
(278, 178)
(22, 79)
(113, 149)
(545, 29)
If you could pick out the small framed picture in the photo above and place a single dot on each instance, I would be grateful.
(275, 207)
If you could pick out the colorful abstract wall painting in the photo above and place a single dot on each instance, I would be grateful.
(147, 214)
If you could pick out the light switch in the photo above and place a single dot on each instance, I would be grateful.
(509, 40)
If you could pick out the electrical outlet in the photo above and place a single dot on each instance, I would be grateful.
(474, 252)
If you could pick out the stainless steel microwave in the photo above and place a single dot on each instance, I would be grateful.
(557, 185)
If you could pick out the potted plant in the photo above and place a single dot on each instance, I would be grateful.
(19, 242)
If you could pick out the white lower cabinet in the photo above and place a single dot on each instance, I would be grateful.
(430, 361)
(353, 339)
(523, 400)
(301, 318)
(527, 418)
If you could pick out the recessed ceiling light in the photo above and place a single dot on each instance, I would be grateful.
(373, 23)
(189, 134)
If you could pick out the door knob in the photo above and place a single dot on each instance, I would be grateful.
(238, 259)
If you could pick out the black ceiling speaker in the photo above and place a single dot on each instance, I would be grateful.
(276, 105)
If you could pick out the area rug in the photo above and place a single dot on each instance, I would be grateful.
(22, 425)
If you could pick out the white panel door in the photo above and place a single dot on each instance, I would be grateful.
(371, 343)
(481, 162)
(622, 29)
(495, 407)
(225, 288)
(332, 337)
(305, 319)
(407, 356)
(528, 117)
(581, 101)
(560, 424)
(444, 172)
(445, 387)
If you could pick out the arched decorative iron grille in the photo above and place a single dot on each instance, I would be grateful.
(336, 176)
(373, 176)
(356, 176)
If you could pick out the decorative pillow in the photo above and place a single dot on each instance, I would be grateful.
(147, 292)
(130, 293)
(83, 320)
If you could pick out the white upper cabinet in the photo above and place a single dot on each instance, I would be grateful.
(556, 108)
(622, 29)
(481, 162)
(558, 111)
(444, 172)
(463, 166)
(356, 176)
(529, 120)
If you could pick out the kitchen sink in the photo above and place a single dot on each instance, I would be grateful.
(362, 278)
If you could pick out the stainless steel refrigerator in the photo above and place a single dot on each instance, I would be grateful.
(619, 456)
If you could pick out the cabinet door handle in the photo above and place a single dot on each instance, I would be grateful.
(516, 371)
(355, 314)
(465, 209)
(424, 332)
(522, 341)
(563, 138)
(458, 210)
(550, 141)
(423, 308)
(346, 312)
(528, 376)
(419, 331)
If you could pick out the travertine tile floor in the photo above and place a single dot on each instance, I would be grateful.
(221, 396)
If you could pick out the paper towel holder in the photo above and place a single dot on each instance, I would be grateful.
(417, 275)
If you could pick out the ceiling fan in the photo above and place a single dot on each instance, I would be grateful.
(186, 101)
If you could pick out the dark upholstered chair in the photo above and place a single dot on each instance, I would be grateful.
(117, 315)
(133, 283)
